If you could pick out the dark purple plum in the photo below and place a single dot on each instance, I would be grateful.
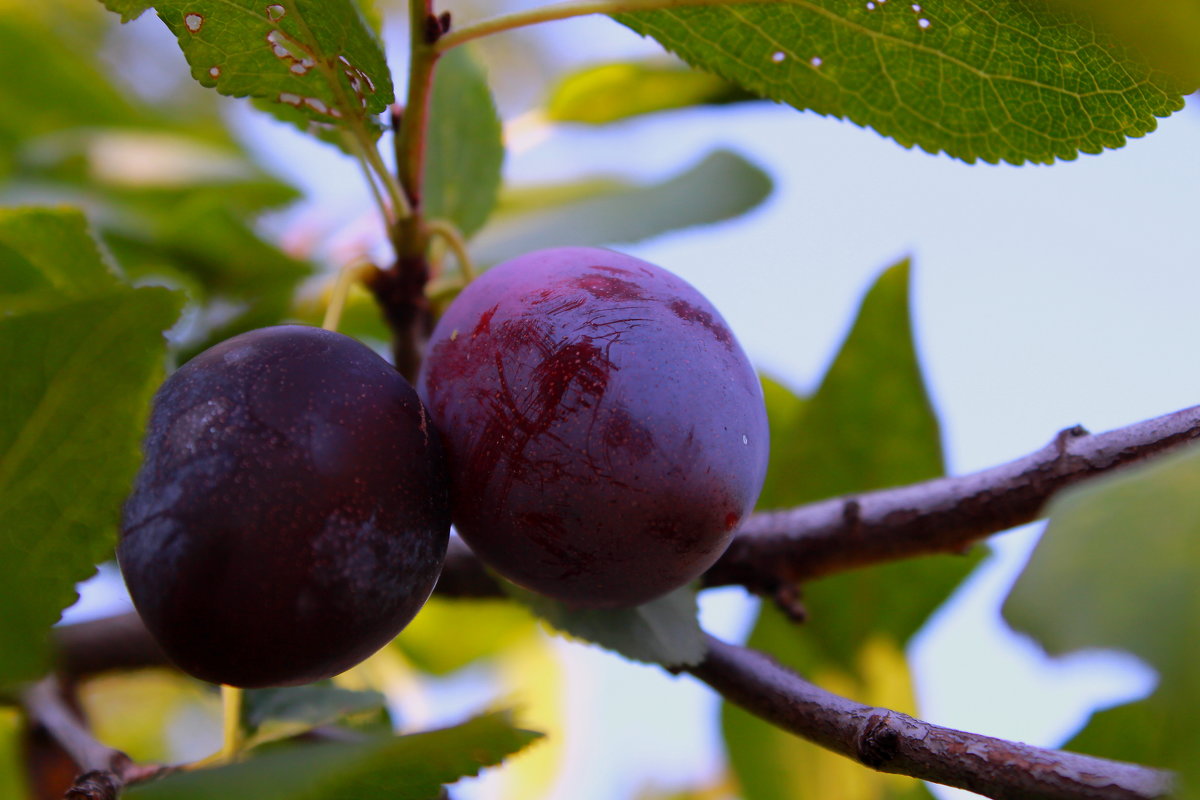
(605, 431)
(292, 511)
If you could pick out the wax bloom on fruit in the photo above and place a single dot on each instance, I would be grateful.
(292, 511)
(605, 431)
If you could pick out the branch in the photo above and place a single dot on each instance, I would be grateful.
(106, 771)
(892, 742)
(780, 548)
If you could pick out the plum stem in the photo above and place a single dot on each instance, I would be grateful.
(347, 276)
(233, 735)
(447, 232)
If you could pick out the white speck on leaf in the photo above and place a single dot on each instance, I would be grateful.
(870, 6)
(916, 8)
(275, 12)
(922, 23)
(215, 72)
(316, 105)
(778, 56)
(193, 22)
(291, 99)
(298, 68)
(815, 61)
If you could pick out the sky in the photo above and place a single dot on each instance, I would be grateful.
(1043, 297)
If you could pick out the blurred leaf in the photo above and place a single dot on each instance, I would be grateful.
(664, 631)
(50, 249)
(247, 283)
(450, 634)
(311, 705)
(46, 86)
(402, 768)
(1165, 33)
(721, 788)
(997, 80)
(533, 676)
(140, 167)
(465, 144)
(607, 93)
(1119, 567)
(80, 355)
(12, 767)
(132, 711)
(321, 59)
(722, 186)
(869, 425)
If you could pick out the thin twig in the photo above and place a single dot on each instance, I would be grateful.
(947, 515)
(105, 770)
(892, 742)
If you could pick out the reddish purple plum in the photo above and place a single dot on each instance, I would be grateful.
(605, 431)
(292, 510)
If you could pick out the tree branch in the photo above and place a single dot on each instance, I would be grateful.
(892, 742)
(779, 548)
(105, 771)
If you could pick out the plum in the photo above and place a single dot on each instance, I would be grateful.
(292, 510)
(605, 432)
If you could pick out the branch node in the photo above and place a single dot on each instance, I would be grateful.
(878, 742)
(1066, 435)
(433, 29)
(787, 598)
(852, 516)
(95, 785)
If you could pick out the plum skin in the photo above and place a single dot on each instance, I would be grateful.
(605, 431)
(291, 513)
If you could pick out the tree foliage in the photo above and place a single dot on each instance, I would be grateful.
(131, 237)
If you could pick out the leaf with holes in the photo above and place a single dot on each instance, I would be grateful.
(320, 61)
(991, 80)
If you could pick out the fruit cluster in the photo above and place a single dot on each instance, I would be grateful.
(586, 419)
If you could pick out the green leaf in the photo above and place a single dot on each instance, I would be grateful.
(81, 355)
(1165, 33)
(315, 704)
(789, 458)
(47, 86)
(664, 631)
(49, 249)
(243, 281)
(450, 634)
(605, 93)
(466, 147)
(128, 9)
(997, 80)
(321, 59)
(12, 754)
(869, 425)
(402, 768)
(1119, 567)
(722, 186)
